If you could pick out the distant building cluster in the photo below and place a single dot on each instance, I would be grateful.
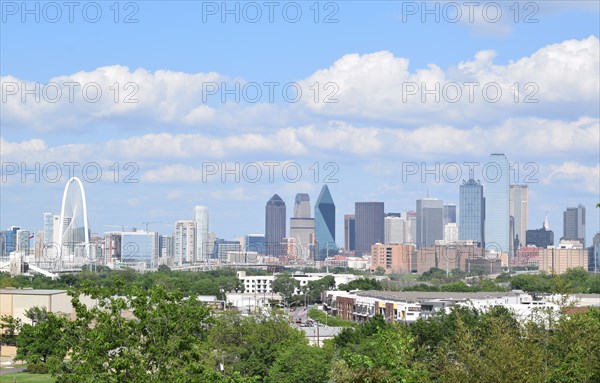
(488, 229)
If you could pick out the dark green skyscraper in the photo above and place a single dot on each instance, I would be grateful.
(325, 224)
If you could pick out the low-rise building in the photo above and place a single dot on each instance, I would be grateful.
(408, 306)
(15, 302)
(264, 283)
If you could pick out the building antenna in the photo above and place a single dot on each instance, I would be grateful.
(471, 174)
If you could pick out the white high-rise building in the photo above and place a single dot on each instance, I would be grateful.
(410, 227)
(185, 242)
(48, 228)
(202, 243)
(450, 233)
(394, 230)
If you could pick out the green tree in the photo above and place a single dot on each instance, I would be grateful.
(494, 348)
(37, 314)
(385, 357)
(285, 285)
(10, 326)
(250, 345)
(361, 284)
(140, 336)
(43, 340)
(531, 282)
(575, 345)
(315, 289)
(301, 363)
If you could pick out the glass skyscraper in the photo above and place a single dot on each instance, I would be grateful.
(497, 215)
(574, 224)
(275, 226)
(255, 242)
(518, 201)
(449, 214)
(140, 248)
(369, 225)
(8, 241)
(430, 221)
(471, 212)
(202, 242)
(325, 224)
(349, 232)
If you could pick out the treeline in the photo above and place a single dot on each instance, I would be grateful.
(214, 282)
(574, 281)
(167, 338)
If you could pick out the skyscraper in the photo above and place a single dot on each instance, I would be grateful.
(140, 249)
(274, 226)
(430, 221)
(369, 225)
(349, 232)
(302, 227)
(255, 242)
(202, 242)
(497, 182)
(543, 237)
(450, 233)
(325, 224)
(23, 244)
(574, 224)
(393, 229)
(449, 213)
(302, 206)
(518, 202)
(48, 228)
(410, 227)
(184, 242)
(472, 211)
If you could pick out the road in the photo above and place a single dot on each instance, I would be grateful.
(325, 332)
(9, 370)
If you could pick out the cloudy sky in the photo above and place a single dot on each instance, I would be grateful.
(188, 103)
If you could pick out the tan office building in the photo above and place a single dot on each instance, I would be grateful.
(559, 260)
(393, 258)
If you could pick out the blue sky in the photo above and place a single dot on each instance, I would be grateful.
(370, 54)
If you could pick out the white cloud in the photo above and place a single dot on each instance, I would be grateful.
(576, 174)
(236, 194)
(378, 87)
(381, 87)
(172, 173)
(534, 136)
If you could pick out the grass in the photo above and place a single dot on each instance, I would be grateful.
(331, 321)
(25, 377)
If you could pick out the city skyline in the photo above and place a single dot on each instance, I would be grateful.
(304, 198)
(365, 124)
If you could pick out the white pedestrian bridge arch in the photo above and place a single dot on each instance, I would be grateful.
(74, 229)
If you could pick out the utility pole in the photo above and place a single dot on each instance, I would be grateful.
(318, 340)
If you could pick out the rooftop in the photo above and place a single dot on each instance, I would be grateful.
(31, 291)
(425, 295)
